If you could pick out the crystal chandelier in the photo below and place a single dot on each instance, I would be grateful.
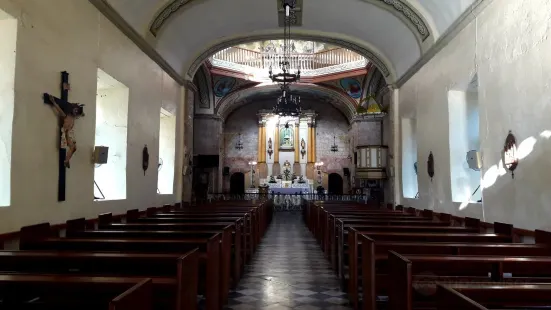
(286, 76)
(287, 104)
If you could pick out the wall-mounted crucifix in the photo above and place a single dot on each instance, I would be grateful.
(67, 113)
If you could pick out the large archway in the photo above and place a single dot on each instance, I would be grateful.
(335, 184)
(237, 183)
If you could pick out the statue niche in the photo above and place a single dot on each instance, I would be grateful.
(286, 140)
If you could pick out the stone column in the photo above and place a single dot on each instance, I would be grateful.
(189, 93)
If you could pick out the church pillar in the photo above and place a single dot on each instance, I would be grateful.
(297, 144)
(276, 144)
(259, 152)
(314, 157)
(309, 156)
(263, 144)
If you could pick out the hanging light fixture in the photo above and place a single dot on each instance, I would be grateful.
(287, 104)
(239, 143)
(334, 147)
(286, 76)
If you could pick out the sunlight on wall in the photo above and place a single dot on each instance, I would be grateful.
(167, 150)
(409, 158)
(463, 113)
(8, 38)
(111, 131)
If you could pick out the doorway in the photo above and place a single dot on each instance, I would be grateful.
(335, 184)
(237, 183)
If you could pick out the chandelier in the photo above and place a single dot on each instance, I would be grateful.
(286, 76)
(287, 104)
(334, 147)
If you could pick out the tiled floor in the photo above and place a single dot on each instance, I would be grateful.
(288, 272)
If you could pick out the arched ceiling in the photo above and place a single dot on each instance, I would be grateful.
(308, 92)
(393, 34)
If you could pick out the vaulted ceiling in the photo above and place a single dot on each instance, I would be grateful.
(392, 34)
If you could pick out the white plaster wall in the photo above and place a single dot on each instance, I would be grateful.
(112, 131)
(508, 44)
(167, 151)
(8, 37)
(72, 35)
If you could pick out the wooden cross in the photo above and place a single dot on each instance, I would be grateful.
(67, 108)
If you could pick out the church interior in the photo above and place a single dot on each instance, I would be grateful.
(275, 154)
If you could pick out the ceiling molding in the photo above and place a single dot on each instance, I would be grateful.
(374, 57)
(112, 15)
(465, 19)
(407, 14)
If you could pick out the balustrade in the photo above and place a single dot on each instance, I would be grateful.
(304, 61)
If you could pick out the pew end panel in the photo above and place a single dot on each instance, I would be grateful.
(188, 277)
(29, 234)
(368, 272)
(543, 236)
(105, 219)
(138, 297)
(132, 215)
(400, 296)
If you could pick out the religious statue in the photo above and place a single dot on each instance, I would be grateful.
(302, 148)
(270, 150)
(287, 171)
(71, 112)
(286, 140)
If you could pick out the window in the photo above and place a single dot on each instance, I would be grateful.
(464, 136)
(409, 158)
(111, 131)
(8, 37)
(167, 149)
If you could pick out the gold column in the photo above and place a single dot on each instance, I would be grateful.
(310, 143)
(314, 158)
(297, 144)
(276, 144)
(263, 160)
(259, 142)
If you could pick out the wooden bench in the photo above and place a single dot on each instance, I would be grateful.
(37, 237)
(407, 271)
(492, 296)
(69, 292)
(375, 257)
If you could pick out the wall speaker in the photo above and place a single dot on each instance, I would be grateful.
(100, 154)
(474, 160)
(226, 171)
(346, 172)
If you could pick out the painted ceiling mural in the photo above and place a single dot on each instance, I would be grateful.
(201, 82)
(225, 85)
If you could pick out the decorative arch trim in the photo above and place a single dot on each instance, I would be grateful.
(235, 100)
(375, 58)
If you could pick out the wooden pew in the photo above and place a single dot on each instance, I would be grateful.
(225, 249)
(237, 239)
(428, 269)
(492, 296)
(173, 274)
(38, 237)
(248, 235)
(69, 292)
(375, 256)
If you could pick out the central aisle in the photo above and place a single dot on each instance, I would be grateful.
(288, 272)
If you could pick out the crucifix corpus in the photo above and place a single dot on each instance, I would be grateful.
(67, 113)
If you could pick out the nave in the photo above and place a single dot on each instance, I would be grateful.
(288, 272)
